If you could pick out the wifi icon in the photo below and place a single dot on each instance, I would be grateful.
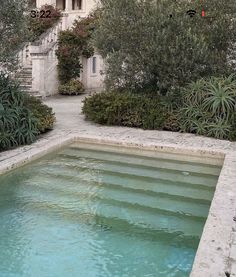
(191, 13)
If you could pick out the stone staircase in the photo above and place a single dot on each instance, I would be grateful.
(38, 62)
(25, 78)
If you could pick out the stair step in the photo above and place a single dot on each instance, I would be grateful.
(25, 78)
(141, 161)
(213, 161)
(23, 74)
(36, 94)
(163, 174)
(26, 68)
(110, 208)
(26, 89)
(116, 225)
(127, 179)
(186, 206)
(197, 194)
(25, 83)
(24, 86)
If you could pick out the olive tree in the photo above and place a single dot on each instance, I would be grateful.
(147, 43)
(13, 28)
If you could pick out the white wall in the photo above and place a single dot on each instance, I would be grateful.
(88, 5)
(89, 79)
(94, 80)
(44, 2)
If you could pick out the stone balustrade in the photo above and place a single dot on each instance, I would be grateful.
(41, 55)
(24, 56)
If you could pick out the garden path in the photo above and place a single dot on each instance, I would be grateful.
(69, 116)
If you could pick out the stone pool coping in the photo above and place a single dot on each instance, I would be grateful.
(216, 253)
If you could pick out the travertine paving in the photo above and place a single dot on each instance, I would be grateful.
(217, 250)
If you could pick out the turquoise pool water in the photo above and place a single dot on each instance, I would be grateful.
(84, 212)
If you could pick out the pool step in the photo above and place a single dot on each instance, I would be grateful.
(130, 183)
(76, 153)
(110, 208)
(162, 202)
(163, 174)
(150, 184)
(143, 153)
(113, 224)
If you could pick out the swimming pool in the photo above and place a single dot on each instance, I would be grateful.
(107, 211)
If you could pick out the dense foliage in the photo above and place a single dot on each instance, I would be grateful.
(72, 45)
(144, 47)
(209, 108)
(38, 25)
(128, 109)
(43, 113)
(13, 29)
(73, 87)
(205, 107)
(22, 117)
(18, 125)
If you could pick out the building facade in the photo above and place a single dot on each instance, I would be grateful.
(40, 55)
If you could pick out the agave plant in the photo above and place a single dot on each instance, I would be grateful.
(221, 97)
(219, 129)
(195, 92)
(209, 107)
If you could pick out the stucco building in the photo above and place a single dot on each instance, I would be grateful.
(39, 61)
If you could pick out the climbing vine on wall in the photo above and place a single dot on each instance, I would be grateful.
(72, 45)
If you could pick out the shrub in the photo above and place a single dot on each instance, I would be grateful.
(126, 109)
(37, 26)
(143, 46)
(209, 107)
(73, 44)
(18, 125)
(73, 87)
(171, 122)
(42, 112)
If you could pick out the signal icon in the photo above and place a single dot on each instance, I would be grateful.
(191, 13)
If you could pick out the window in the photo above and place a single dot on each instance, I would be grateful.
(94, 65)
(77, 5)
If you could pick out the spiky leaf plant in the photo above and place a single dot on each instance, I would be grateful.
(210, 107)
(18, 126)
